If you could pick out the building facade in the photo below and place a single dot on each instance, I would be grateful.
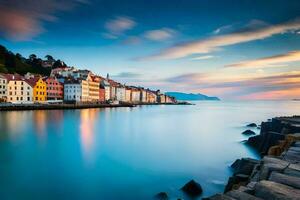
(135, 95)
(93, 88)
(127, 94)
(76, 90)
(39, 89)
(143, 96)
(55, 89)
(19, 90)
(120, 93)
(3, 88)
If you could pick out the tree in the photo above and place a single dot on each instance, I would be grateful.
(49, 58)
(32, 57)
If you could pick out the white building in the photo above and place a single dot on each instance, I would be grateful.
(76, 90)
(19, 89)
(3, 88)
(120, 93)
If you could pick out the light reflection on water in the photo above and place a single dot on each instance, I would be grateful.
(125, 153)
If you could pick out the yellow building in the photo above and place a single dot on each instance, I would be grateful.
(39, 89)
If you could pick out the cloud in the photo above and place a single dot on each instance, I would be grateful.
(222, 29)
(160, 34)
(132, 40)
(216, 42)
(203, 57)
(272, 61)
(281, 83)
(128, 75)
(22, 20)
(191, 78)
(117, 26)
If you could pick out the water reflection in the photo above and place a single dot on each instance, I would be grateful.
(13, 124)
(87, 131)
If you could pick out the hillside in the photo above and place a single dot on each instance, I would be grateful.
(16, 63)
(191, 97)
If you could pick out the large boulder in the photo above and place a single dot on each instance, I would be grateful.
(248, 132)
(192, 188)
(161, 196)
(252, 125)
(244, 166)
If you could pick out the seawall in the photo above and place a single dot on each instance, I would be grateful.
(65, 106)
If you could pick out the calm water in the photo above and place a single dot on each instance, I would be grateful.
(125, 153)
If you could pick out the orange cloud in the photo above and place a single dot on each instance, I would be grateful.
(271, 61)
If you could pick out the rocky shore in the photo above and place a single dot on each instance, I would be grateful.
(65, 106)
(277, 174)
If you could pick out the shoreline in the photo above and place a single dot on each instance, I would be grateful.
(276, 175)
(65, 106)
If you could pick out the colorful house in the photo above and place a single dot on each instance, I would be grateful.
(55, 89)
(19, 90)
(76, 90)
(39, 88)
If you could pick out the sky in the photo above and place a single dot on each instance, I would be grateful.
(233, 49)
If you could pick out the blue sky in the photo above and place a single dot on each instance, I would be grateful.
(235, 49)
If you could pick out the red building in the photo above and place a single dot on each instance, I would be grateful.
(55, 89)
(101, 94)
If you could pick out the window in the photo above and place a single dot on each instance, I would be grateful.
(17, 98)
(22, 88)
(28, 98)
(28, 93)
(22, 83)
(36, 98)
(10, 93)
(21, 98)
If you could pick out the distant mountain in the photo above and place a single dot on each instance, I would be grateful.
(191, 97)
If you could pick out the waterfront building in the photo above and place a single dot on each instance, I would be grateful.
(55, 89)
(127, 94)
(151, 96)
(143, 96)
(39, 88)
(3, 88)
(105, 84)
(135, 95)
(76, 90)
(19, 90)
(161, 98)
(120, 93)
(101, 94)
(93, 87)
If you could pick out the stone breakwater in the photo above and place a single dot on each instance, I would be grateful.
(277, 174)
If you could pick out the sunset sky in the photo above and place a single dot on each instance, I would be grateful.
(233, 49)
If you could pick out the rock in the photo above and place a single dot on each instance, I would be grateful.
(252, 125)
(161, 196)
(236, 181)
(275, 191)
(248, 132)
(219, 197)
(244, 166)
(192, 188)
(239, 195)
(292, 170)
(285, 179)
